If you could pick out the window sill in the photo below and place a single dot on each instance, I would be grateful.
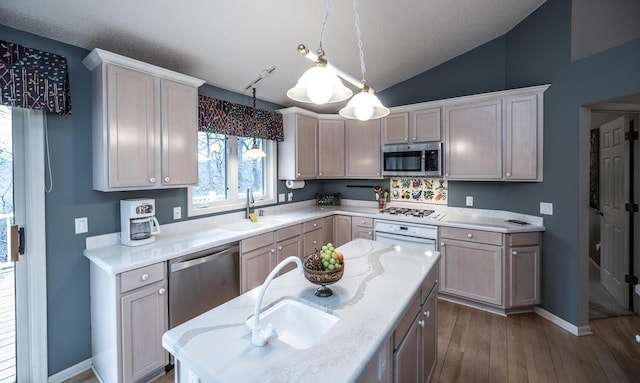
(227, 207)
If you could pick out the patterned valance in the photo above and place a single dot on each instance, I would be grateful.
(33, 79)
(224, 117)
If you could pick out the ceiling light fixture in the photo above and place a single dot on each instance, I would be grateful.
(319, 84)
(255, 152)
(364, 105)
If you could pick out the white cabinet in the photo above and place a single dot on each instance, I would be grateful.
(523, 138)
(413, 126)
(257, 259)
(362, 227)
(298, 153)
(313, 236)
(144, 124)
(473, 141)
(363, 149)
(523, 264)
(341, 230)
(330, 148)
(128, 317)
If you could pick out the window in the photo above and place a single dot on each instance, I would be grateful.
(224, 176)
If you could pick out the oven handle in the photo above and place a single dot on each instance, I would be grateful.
(198, 261)
(404, 238)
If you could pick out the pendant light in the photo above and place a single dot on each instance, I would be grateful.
(255, 152)
(364, 105)
(319, 84)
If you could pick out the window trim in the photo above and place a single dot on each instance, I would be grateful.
(270, 176)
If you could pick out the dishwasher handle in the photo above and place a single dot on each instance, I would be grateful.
(175, 267)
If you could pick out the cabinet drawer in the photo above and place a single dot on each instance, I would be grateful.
(313, 225)
(429, 282)
(256, 242)
(362, 222)
(479, 236)
(143, 276)
(406, 321)
(288, 232)
(524, 239)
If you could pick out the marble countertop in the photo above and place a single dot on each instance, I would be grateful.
(378, 284)
(178, 239)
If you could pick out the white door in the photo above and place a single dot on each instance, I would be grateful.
(614, 186)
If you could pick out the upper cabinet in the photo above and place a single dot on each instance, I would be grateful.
(330, 148)
(495, 136)
(363, 153)
(298, 153)
(413, 126)
(144, 124)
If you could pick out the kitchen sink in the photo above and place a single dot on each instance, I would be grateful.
(298, 323)
(246, 226)
(274, 220)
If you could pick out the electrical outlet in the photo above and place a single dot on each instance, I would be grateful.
(281, 197)
(177, 212)
(82, 225)
(469, 200)
(546, 208)
(290, 197)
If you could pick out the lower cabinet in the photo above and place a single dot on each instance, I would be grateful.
(362, 227)
(415, 337)
(341, 230)
(313, 236)
(128, 317)
(499, 270)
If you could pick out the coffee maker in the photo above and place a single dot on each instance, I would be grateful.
(138, 223)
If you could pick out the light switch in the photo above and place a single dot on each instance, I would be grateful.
(546, 208)
(469, 200)
(281, 197)
(82, 225)
(290, 196)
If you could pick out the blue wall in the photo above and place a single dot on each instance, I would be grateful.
(537, 51)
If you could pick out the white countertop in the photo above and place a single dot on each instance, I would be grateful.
(379, 281)
(186, 237)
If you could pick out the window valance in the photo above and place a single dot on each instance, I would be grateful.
(224, 117)
(33, 79)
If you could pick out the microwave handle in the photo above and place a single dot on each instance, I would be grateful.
(155, 226)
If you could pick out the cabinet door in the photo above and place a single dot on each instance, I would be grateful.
(473, 139)
(395, 128)
(407, 357)
(329, 222)
(144, 320)
(287, 248)
(522, 139)
(255, 266)
(524, 276)
(361, 228)
(330, 148)
(132, 131)
(425, 125)
(472, 270)
(363, 152)
(341, 230)
(429, 335)
(179, 128)
(306, 147)
(313, 240)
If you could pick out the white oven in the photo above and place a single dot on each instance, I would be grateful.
(414, 234)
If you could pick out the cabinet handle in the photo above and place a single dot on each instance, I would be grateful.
(144, 277)
(363, 222)
(315, 225)
(515, 252)
(446, 174)
(441, 244)
(314, 242)
(167, 179)
(320, 173)
(415, 138)
(406, 139)
(298, 174)
(508, 174)
(369, 233)
(421, 323)
(427, 314)
(152, 180)
(273, 251)
(469, 235)
(279, 248)
(162, 291)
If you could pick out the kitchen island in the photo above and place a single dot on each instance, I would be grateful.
(381, 287)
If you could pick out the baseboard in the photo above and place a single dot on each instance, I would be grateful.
(70, 372)
(575, 330)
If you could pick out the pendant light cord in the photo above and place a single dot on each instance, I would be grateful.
(324, 23)
(357, 20)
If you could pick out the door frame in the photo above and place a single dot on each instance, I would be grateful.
(584, 144)
(29, 128)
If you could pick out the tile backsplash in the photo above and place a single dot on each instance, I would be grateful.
(419, 190)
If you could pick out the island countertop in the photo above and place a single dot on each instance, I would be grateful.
(378, 284)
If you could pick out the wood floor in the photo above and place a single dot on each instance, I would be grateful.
(475, 346)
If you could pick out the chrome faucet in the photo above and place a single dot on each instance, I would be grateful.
(260, 336)
(250, 203)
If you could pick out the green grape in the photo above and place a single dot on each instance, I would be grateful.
(324, 247)
(332, 261)
(331, 266)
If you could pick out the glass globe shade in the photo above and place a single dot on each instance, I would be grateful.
(319, 81)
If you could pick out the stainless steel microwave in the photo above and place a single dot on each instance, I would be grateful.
(421, 160)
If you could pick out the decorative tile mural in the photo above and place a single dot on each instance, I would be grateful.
(422, 190)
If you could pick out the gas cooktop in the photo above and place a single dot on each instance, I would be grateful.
(419, 213)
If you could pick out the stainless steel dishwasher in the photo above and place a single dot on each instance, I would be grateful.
(201, 281)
